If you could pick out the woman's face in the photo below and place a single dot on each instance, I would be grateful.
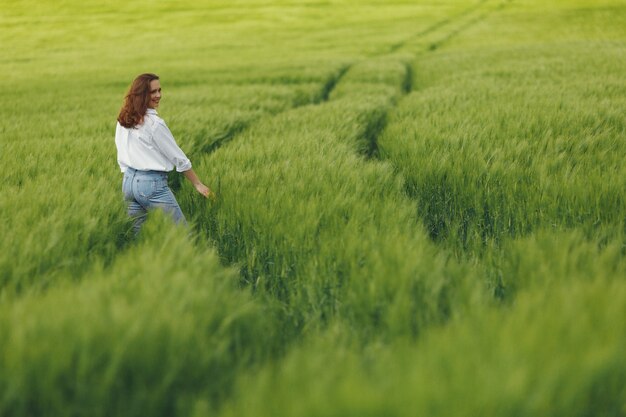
(155, 94)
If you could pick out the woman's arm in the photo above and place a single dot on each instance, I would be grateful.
(201, 188)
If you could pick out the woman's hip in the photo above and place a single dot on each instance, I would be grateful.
(143, 185)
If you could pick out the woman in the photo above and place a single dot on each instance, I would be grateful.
(146, 151)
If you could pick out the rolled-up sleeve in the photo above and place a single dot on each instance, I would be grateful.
(164, 140)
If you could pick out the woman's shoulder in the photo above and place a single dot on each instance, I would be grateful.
(119, 128)
(153, 120)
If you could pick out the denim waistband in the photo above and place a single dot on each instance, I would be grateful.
(136, 172)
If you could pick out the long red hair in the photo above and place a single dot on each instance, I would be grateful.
(136, 101)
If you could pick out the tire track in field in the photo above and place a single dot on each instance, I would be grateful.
(217, 142)
(471, 18)
(407, 82)
(374, 118)
(233, 234)
(468, 24)
(375, 121)
(212, 144)
(335, 78)
(436, 26)
(243, 238)
(378, 125)
(461, 22)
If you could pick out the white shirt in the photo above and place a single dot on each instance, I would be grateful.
(149, 146)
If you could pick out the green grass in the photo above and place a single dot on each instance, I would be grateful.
(420, 210)
(141, 337)
(557, 353)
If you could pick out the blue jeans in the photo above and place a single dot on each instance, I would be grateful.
(145, 190)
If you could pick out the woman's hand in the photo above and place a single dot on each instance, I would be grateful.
(205, 191)
(201, 188)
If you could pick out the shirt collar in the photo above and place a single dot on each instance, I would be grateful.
(151, 111)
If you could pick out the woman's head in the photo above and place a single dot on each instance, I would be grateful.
(144, 93)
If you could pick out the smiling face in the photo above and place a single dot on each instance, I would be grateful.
(155, 94)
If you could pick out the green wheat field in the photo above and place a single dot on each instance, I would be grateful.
(421, 209)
